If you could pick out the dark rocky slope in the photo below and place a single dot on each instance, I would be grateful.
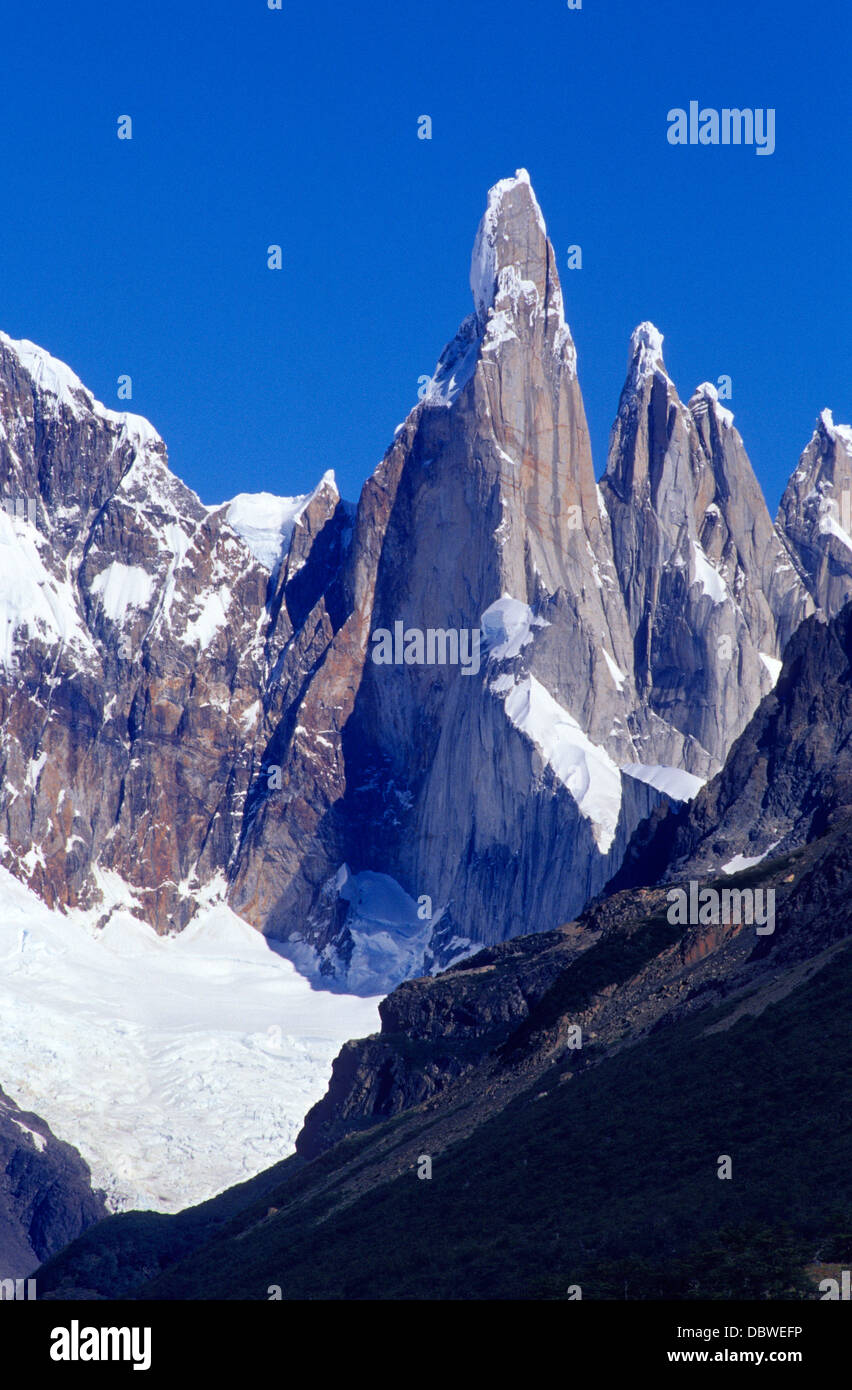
(788, 777)
(46, 1197)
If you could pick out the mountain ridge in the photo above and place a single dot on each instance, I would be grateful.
(629, 623)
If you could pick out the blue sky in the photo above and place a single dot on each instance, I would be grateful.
(299, 127)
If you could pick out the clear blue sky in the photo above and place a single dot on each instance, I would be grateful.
(299, 127)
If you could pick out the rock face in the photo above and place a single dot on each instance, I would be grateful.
(711, 592)
(138, 643)
(815, 515)
(787, 780)
(46, 1198)
(392, 732)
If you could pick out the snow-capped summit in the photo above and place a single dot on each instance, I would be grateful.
(511, 235)
(59, 385)
(116, 588)
(516, 294)
(844, 432)
(266, 522)
(645, 356)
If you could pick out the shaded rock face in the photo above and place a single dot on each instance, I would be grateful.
(787, 780)
(432, 1033)
(184, 718)
(815, 515)
(46, 1198)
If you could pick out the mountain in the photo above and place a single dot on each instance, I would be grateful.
(46, 1196)
(142, 659)
(132, 659)
(359, 726)
(712, 595)
(620, 657)
(815, 515)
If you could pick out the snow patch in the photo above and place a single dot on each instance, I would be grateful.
(213, 617)
(34, 604)
(615, 671)
(122, 587)
(828, 524)
(646, 353)
(507, 627)
(266, 523)
(587, 771)
(39, 1141)
(671, 781)
(742, 861)
(709, 578)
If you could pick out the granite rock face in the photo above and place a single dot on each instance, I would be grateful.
(815, 515)
(711, 591)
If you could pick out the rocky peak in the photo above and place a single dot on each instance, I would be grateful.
(815, 515)
(711, 592)
(134, 656)
(645, 355)
(707, 412)
(512, 259)
(787, 778)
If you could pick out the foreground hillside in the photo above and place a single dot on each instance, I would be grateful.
(553, 1166)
